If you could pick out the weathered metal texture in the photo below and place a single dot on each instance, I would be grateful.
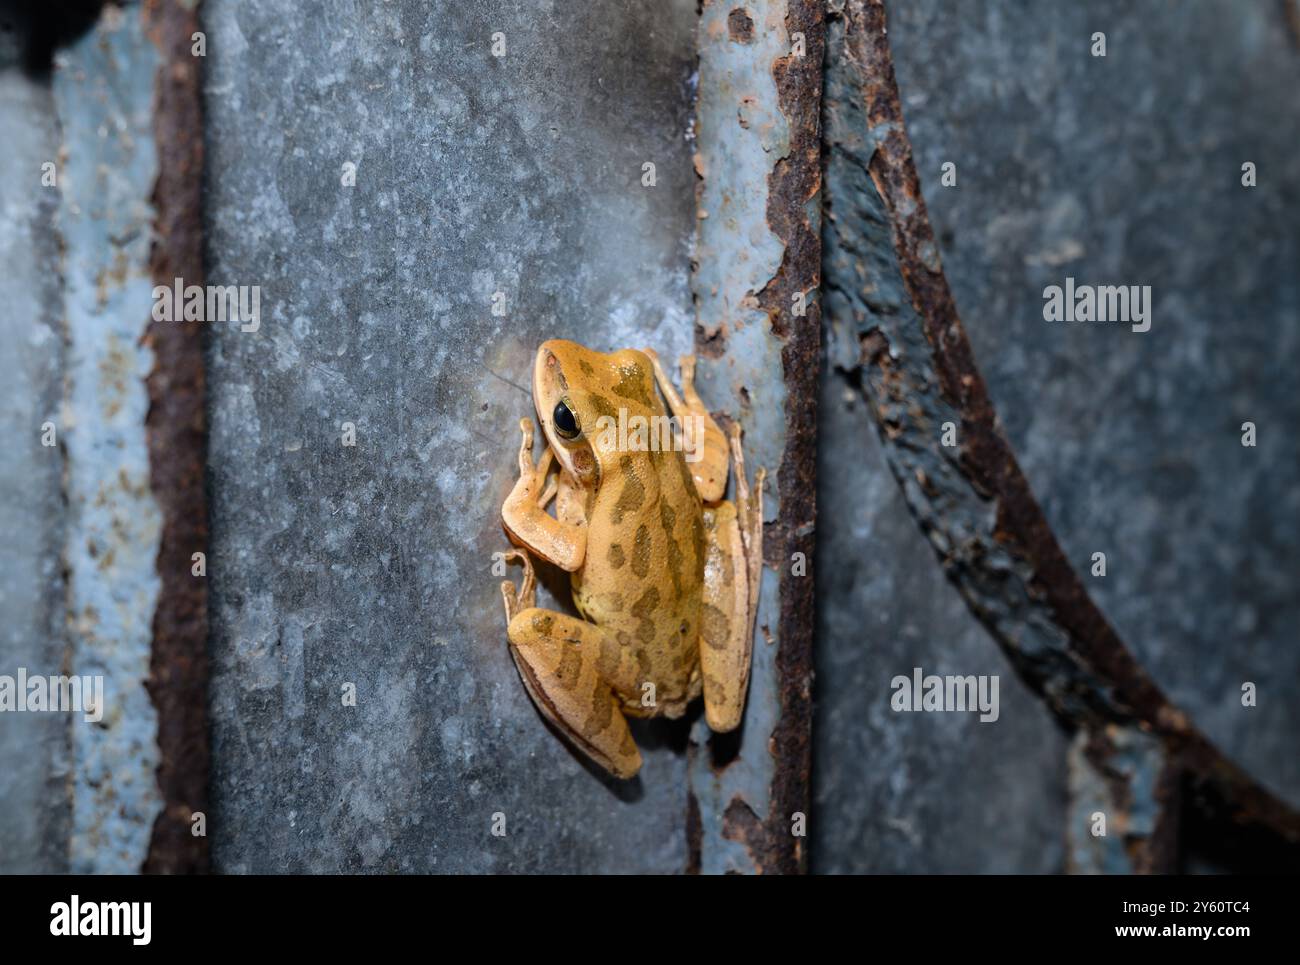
(1125, 804)
(110, 534)
(103, 90)
(895, 331)
(1133, 441)
(34, 806)
(372, 564)
(757, 246)
(176, 428)
(912, 793)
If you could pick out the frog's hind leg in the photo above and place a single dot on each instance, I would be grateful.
(571, 669)
(733, 561)
(707, 458)
(726, 642)
(749, 513)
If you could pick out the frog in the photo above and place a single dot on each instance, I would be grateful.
(663, 570)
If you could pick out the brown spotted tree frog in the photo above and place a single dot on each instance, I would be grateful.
(663, 570)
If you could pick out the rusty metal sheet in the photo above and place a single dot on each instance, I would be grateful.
(177, 436)
(757, 248)
(897, 335)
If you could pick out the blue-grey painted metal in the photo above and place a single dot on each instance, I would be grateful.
(1133, 441)
(372, 565)
(741, 136)
(34, 807)
(1104, 170)
(103, 90)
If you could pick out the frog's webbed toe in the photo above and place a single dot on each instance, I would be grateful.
(527, 594)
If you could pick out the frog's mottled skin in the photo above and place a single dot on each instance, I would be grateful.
(664, 572)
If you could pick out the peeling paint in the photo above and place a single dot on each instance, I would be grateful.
(756, 246)
(1124, 778)
(103, 88)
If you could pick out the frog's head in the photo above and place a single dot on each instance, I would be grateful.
(579, 394)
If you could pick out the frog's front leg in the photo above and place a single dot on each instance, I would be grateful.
(733, 560)
(708, 456)
(572, 670)
(559, 541)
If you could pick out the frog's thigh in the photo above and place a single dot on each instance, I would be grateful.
(726, 638)
(569, 667)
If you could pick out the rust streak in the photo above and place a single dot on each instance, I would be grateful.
(793, 185)
(177, 436)
(1120, 691)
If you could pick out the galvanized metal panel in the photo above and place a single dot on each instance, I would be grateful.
(34, 807)
(371, 564)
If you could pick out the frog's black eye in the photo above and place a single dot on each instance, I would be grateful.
(566, 423)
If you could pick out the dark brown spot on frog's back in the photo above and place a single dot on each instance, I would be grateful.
(633, 494)
(644, 609)
(607, 665)
(542, 623)
(646, 604)
(634, 384)
(668, 519)
(683, 471)
(642, 547)
(586, 367)
(615, 555)
(602, 405)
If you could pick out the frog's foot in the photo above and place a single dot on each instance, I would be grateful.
(527, 595)
(706, 455)
(570, 668)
